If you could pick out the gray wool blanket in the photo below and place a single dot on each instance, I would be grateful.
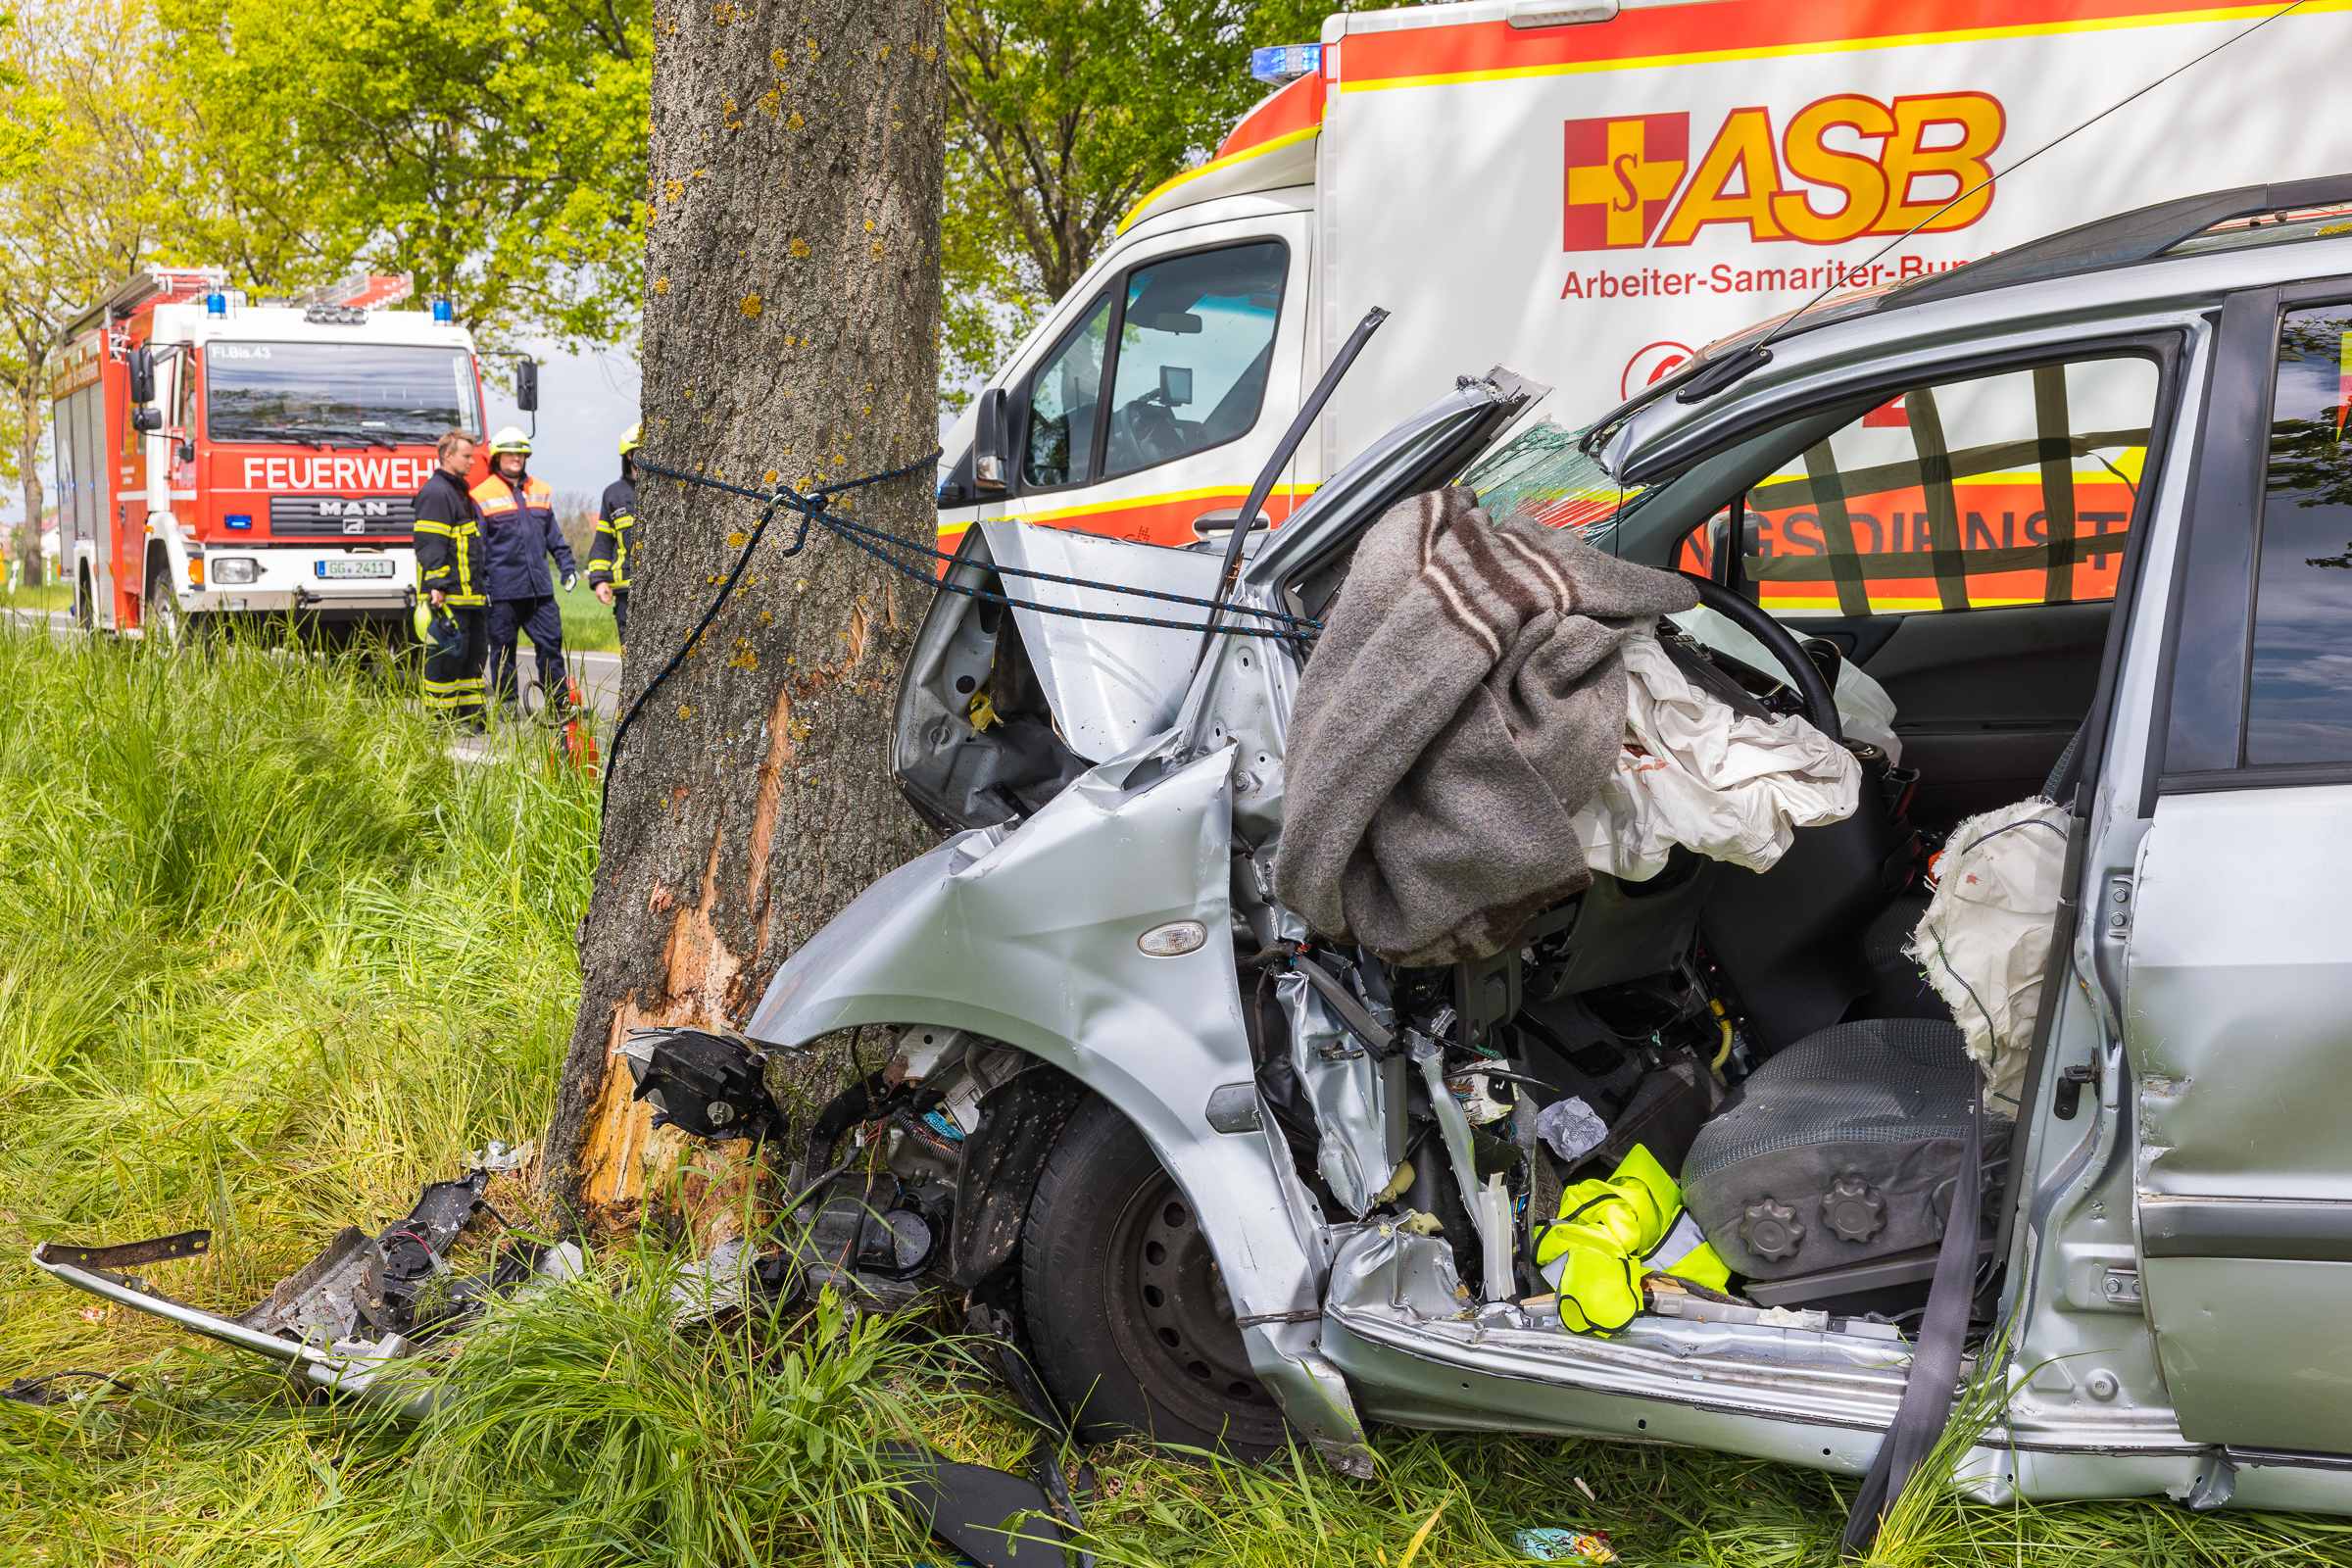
(1465, 700)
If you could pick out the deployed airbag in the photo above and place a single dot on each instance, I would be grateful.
(1985, 938)
(1695, 772)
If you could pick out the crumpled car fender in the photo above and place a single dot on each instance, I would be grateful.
(1031, 937)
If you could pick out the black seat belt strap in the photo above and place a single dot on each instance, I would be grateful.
(1927, 1408)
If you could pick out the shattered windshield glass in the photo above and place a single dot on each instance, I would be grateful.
(337, 394)
(1540, 474)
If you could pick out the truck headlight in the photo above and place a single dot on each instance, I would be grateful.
(231, 569)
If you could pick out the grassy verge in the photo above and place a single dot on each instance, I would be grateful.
(588, 626)
(49, 596)
(273, 961)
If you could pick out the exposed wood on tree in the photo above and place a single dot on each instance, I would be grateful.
(790, 334)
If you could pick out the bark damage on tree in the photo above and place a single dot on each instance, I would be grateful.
(790, 332)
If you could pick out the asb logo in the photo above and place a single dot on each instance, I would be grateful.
(1839, 168)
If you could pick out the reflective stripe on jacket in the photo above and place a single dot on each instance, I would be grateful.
(608, 556)
(518, 523)
(450, 553)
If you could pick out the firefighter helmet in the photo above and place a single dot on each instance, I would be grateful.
(628, 439)
(511, 439)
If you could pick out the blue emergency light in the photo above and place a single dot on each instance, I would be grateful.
(442, 313)
(1285, 63)
(215, 304)
(239, 519)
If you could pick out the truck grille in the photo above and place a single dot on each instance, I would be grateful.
(341, 516)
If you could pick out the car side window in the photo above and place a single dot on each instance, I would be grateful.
(2299, 694)
(1196, 342)
(2017, 488)
(1063, 398)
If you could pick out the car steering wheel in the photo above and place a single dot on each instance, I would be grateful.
(1797, 667)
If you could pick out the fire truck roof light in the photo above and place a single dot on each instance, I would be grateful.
(216, 305)
(442, 312)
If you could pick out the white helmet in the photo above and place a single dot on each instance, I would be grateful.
(511, 439)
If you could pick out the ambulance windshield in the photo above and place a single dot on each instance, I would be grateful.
(337, 394)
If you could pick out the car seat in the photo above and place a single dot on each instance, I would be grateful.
(1842, 1149)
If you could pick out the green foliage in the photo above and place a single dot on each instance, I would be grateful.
(1061, 115)
(495, 150)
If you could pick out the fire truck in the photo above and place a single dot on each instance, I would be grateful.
(222, 457)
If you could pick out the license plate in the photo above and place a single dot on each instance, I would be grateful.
(354, 569)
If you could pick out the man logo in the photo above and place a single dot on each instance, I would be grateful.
(356, 525)
(1649, 366)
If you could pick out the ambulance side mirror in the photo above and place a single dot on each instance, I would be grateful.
(988, 441)
(140, 363)
(527, 384)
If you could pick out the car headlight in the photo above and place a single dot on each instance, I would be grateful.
(228, 569)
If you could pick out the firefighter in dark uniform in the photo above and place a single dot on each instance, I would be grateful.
(453, 568)
(518, 525)
(608, 556)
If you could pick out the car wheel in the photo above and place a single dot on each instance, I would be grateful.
(166, 625)
(1127, 1312)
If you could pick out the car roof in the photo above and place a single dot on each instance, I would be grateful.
(2163, 261)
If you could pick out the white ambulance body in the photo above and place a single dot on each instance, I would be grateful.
(1590, 202)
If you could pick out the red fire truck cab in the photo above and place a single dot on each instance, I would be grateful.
(220, 458)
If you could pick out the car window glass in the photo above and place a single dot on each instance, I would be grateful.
(2009, 489)
(2299, 699)
(1541, 475)
(1062, 395)
(1196, 341)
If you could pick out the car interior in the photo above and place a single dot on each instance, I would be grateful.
(1763, 1034)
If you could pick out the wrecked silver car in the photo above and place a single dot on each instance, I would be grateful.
(1997, 1044)
(2064, 532)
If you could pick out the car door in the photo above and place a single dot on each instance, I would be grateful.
(2237, 952)
(1159, 390)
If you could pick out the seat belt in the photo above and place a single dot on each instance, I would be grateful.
(1928, 1394)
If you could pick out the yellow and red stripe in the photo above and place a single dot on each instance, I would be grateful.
(1743, 29)
(1161, 519)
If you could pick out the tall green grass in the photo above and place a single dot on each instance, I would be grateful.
(269, 958)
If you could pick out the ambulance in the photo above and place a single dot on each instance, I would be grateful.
(222, 458)
(1590, 191)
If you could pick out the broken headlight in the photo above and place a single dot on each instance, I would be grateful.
(702, 1083)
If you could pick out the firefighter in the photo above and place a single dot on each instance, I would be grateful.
(453, 566)
(518, 527)
(608, 556)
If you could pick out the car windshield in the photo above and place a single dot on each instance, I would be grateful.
(337, 394)
(1540, 474)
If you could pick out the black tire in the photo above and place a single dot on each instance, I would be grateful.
(1127, 1314)
(166, 625)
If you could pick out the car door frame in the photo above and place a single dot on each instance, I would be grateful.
(2197, 740)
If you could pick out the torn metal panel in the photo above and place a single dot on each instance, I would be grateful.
(1386, 1265)
(1109, 683)
(320, 1299)
(1343, 1083)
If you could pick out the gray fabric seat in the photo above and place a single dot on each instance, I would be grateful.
(1842, 1148)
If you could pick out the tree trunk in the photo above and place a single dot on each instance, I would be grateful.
(791, 331)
